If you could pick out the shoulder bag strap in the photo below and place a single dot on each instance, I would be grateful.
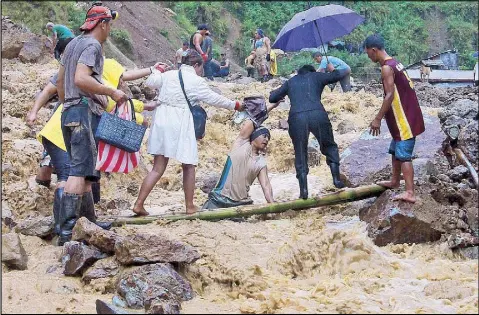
(183, 89)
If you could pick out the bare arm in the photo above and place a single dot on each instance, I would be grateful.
(41, 100)
(131, 75)
(387, 75)
(267, 42)
(227, 64)
(87, 83)
(61, 84)
(266, 185)
(279, 94)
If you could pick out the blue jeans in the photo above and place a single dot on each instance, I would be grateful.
(208, 66)
(403, 149)
(59, 159)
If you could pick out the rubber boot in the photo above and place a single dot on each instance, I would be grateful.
(88, 211)
(57, 203)
(69, 214)
(95, 189)
(338, 183)
(303, 186)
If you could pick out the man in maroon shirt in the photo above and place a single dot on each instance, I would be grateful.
(403, 116)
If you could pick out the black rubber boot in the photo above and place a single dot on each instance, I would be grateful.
(338, 183)
(95, 189)
(57, 203)
(69, 214)
(303, 186)
(88, 211)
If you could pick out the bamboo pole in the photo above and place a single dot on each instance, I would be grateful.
(342, 196)
(464, 161)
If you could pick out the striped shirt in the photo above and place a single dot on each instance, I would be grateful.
(404, 118)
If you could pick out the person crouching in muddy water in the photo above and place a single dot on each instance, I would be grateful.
(306, 115)
(172, 133)
(403, 116)
(244, 164)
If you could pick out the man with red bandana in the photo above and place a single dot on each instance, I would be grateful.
(84, 98)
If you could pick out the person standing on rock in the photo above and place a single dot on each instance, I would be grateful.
(180, 53)
(403, 116)
(84, 98)
(262, 48)
(172, 134)
(196, 41)
(245, 163)
(306, 115)
(62, 35)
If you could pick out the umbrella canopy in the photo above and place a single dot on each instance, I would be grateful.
(301, 31)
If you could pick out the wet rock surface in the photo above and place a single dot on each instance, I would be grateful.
(149, 248)
(104, 268)
(208, 182)
(39, 226)
(77, 257)
(367, 158)
(143, 285)
(104, 240)
(13, 253)
(397, 222)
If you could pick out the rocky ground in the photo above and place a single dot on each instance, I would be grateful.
(367, 256)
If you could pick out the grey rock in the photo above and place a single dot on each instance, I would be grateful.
(104, 268)
(33, 49)
(104, 240)
(13, 253)
(468, 252)
(142, 285)
(283, 124)
(458, 173)
(209, 182)
(149, 93)
(39, 226)
(397, 222)
(346, 126)
(468, 140)
(148, 248)
(77, 257)
(107, 308)
(159, 306)
(443, 178)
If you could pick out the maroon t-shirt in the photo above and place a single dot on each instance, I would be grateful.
(404, 118)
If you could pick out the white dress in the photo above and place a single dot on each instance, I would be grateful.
(172, 131)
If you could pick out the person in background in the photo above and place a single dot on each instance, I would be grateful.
(223, 69)
(262, 48)
(244, 164)
(61, 36)
(307, 114)
(196, 40)
(172, 133)
(338, 64)
(180, 53)
(249, 63)
(403, 116)
(207, 47)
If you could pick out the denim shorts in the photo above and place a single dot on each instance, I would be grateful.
(78, 126)
(59, 158)
(403, 149)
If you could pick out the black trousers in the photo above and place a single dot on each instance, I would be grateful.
(317, 122)
(60, 47)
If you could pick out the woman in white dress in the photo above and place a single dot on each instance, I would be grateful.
(172, 133)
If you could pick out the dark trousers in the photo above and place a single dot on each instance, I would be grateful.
(208, 67)
(345, 80)
(317, 122)
(60, 47)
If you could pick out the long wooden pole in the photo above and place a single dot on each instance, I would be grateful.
(342, 196)
(464, 161)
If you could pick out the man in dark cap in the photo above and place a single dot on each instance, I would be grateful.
(197, 39)
(245, 163)
(306, 115)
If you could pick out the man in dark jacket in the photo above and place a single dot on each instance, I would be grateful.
(306, 115)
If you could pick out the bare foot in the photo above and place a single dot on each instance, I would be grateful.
(140, 211)
(388, 184)
(405, 196)
(192, 210)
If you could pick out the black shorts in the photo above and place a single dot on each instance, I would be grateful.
(78, 126)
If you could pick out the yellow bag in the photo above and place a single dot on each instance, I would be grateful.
(53, 130)
(273, 66)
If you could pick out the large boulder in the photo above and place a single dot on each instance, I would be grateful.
(77, 257)
(398, 222)
(38, 226)
(13, 253)
(141, 286)
(468, 140)
(367, 159)
(104, 240)
(152, 248)
(464, 108)
(34, 50)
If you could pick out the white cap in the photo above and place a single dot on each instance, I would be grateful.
(50, 24)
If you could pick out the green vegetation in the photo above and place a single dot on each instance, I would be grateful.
(121, 39)
(36, 14)
(164, 33)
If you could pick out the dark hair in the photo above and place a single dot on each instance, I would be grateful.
(317, 54)
(202, 27)
(305, 69)
(185, 43)
(374, 41)
(192, 58)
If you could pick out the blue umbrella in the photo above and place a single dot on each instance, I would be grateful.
(315, 26)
